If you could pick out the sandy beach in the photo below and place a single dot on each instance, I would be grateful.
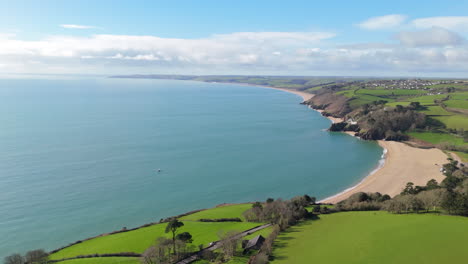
(305, 96)
(403, 164)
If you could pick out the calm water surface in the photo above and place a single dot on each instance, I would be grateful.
(79, 157)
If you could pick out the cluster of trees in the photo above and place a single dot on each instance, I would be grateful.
(380, 122)
(362, 202)
(376, 121)
(167, 250)
(283, 213)
(38, 256)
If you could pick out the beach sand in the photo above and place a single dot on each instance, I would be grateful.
(403, 164)
(305, 96)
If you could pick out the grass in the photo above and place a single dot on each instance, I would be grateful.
(264, 232)
(435, 110)
(375, 237)
(228, 211)
(391, 92)
(423, 100)
(106, 260)
(462, 155)
(363, 99)
(139, 240)
(454, 121)
(461, 104)
(437, 138)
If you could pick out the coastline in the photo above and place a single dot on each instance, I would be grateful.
(399, 165)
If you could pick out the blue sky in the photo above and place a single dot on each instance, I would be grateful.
(383, 38)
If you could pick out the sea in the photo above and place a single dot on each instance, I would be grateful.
(81, 156)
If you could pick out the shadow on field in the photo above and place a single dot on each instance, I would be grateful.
(284, 238)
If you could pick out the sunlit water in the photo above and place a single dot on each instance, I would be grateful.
(80, 157)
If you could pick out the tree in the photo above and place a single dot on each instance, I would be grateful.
(14, 259)
(149, 256)
(185, 237)
(172, 227)
(37, 256)
(431, 198)
(229, 242)
(160, 253)
(432, 184)
(257, 205)
(310, 200)
(409, 188)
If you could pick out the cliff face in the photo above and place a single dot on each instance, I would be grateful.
(333, 104)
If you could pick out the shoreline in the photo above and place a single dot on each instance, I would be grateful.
(400, 164)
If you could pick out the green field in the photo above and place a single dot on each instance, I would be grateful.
(139, 240)
(375, 237)
(437, 138)
(460, 104)
(391, 92)
(424, 100)
(454, 121)
(231, 211)
(363, 99)
(435, 110)
(106, 260)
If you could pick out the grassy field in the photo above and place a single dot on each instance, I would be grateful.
(437, 138)
(109, 260)
(264, 232)
(230, 211)
(391, 92)
(139, 240)
(460, 104)
(375, 237)
(423, 100)
(363, 99)
(435, 110)
(454, 121)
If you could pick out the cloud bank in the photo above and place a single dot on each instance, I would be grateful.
(420, 50)
(449, 22)
(431, 37)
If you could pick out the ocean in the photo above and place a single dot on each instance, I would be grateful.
(80, 156)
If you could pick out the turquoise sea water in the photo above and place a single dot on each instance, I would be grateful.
(78, 157)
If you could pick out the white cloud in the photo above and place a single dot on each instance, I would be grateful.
(72, 26)
(243, 52)
(431, 37)
(448, 22)
(383, 22)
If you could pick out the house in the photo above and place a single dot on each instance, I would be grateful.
(253, 244)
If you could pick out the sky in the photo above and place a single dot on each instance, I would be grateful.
(325, 38)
